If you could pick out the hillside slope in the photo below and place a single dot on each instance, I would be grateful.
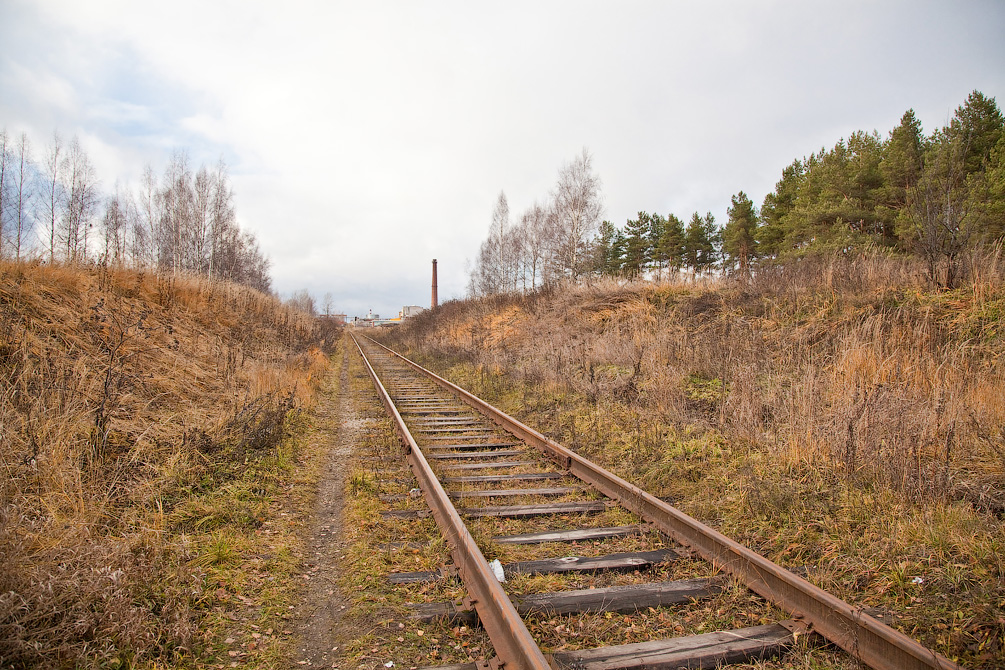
(836, 415)
(127, 401)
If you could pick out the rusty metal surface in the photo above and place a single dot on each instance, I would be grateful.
(864, 637)
(514, 646)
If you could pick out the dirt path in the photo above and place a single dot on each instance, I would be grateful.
(321, 611)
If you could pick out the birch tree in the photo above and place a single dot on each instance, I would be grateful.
(81, 201)
(53, 192)
(578, 207)
(4, 141)
(535, 234)
(22, 193)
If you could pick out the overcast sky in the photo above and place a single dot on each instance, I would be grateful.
(365, 139)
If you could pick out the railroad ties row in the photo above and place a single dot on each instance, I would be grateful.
(585, 574)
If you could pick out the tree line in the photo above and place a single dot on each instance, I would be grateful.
(548, 241)
(52, 208)
(937, 197)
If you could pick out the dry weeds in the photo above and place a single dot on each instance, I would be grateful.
(143, 419)
(847, 418)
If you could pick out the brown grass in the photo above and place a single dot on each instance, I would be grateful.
(849, 362)
(847, 417)
(126, 399)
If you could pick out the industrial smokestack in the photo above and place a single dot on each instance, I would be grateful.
(434, 301)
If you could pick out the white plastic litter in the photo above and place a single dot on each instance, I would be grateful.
(497, 570)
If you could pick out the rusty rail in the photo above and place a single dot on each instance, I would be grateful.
(513, 643)
(864, 637)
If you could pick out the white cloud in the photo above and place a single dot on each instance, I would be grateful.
(206, 126)
(365, 139)
(40, 90)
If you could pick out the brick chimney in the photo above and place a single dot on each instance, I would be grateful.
(434, 301)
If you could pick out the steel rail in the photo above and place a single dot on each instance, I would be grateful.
(514, 646)
(867, 639)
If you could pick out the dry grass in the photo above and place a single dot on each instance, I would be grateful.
(850, 419)
(143, 420)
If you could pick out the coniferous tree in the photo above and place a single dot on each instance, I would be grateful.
(740, 234)
(901, 167)
(902, 156)
(657, 224)
(953, 205)
(713, 234)
(670, 247)
(700, 243)
(866, 188)
(987, 193)
(609, 250)
(778, 204)
(977, 125)
(638, 250)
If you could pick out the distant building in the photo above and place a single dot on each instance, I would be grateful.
(371, 320)
(408, 311)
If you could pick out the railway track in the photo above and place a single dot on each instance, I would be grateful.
(461, 450)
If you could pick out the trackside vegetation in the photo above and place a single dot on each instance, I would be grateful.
(151, 470)
(839, 414)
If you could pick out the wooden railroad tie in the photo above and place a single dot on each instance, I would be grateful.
(508, 511)
(620, 599)
(576, 535)
(550, 566)
(528, 476)
(709, 650)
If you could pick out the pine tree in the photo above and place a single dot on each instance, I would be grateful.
(740, 234)
(987, 192)
(902, 154)
(977, 124)
(670, 248)
(638, 249)
(901, 167)
(776, 209)
(657, 225)
(700, 241)
(609, 250)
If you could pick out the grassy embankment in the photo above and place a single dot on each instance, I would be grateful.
(152, 485)
(837, 416)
